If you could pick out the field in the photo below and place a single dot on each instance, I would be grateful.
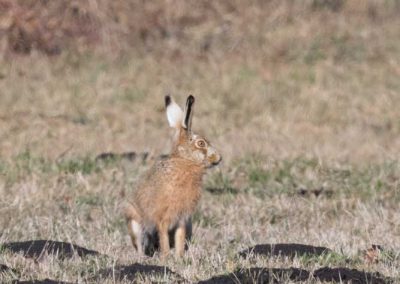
(302, 99)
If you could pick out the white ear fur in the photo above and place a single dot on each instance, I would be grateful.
(174, 113)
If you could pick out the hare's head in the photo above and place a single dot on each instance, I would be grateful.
(189, 145)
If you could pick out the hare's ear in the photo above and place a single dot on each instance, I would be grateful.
(174, 113)
(188, 114)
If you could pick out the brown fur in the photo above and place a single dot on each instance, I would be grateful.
(167, 196)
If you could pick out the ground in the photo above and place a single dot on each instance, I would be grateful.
(301, 100)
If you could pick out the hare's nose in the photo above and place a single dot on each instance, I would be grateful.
(217, 160)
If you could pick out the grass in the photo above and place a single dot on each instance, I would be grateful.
(347, 222)
(302, 97)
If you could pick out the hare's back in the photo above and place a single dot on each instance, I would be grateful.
(152, 184)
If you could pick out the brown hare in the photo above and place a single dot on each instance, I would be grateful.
(161, 205)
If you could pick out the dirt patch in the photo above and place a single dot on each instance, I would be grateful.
(222, 190)
(130, 272)
(290, 250)
(129, 156)
(316, 192)
(349, 275)
(260, 275)
(39, 248)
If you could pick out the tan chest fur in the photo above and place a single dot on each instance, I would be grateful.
(170, 193)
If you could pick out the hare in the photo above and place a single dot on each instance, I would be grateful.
(161, 205)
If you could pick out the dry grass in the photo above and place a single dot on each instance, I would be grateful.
(294, 95)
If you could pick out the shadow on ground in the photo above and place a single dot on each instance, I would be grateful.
(283, 275)
(38, 248)
(260, 275)
(251, 275)
(289, 250)
(131, 272)
(354, 276)
(4, 268)
(44, 281)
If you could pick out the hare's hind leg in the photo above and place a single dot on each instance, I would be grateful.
(135, 228)
(136, 233)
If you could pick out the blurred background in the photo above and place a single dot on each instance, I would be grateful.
(312, 78)
(301, 97)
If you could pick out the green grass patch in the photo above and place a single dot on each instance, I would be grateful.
(267, 177)
(86, 165)
(89, 199)
(27, 164)
(220, 182)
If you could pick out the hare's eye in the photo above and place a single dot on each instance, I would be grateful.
(201, 144)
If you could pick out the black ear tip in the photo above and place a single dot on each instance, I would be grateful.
(167, 100)
(190, 99)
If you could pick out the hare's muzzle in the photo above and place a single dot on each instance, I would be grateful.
(217, 161)
(213, 157)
